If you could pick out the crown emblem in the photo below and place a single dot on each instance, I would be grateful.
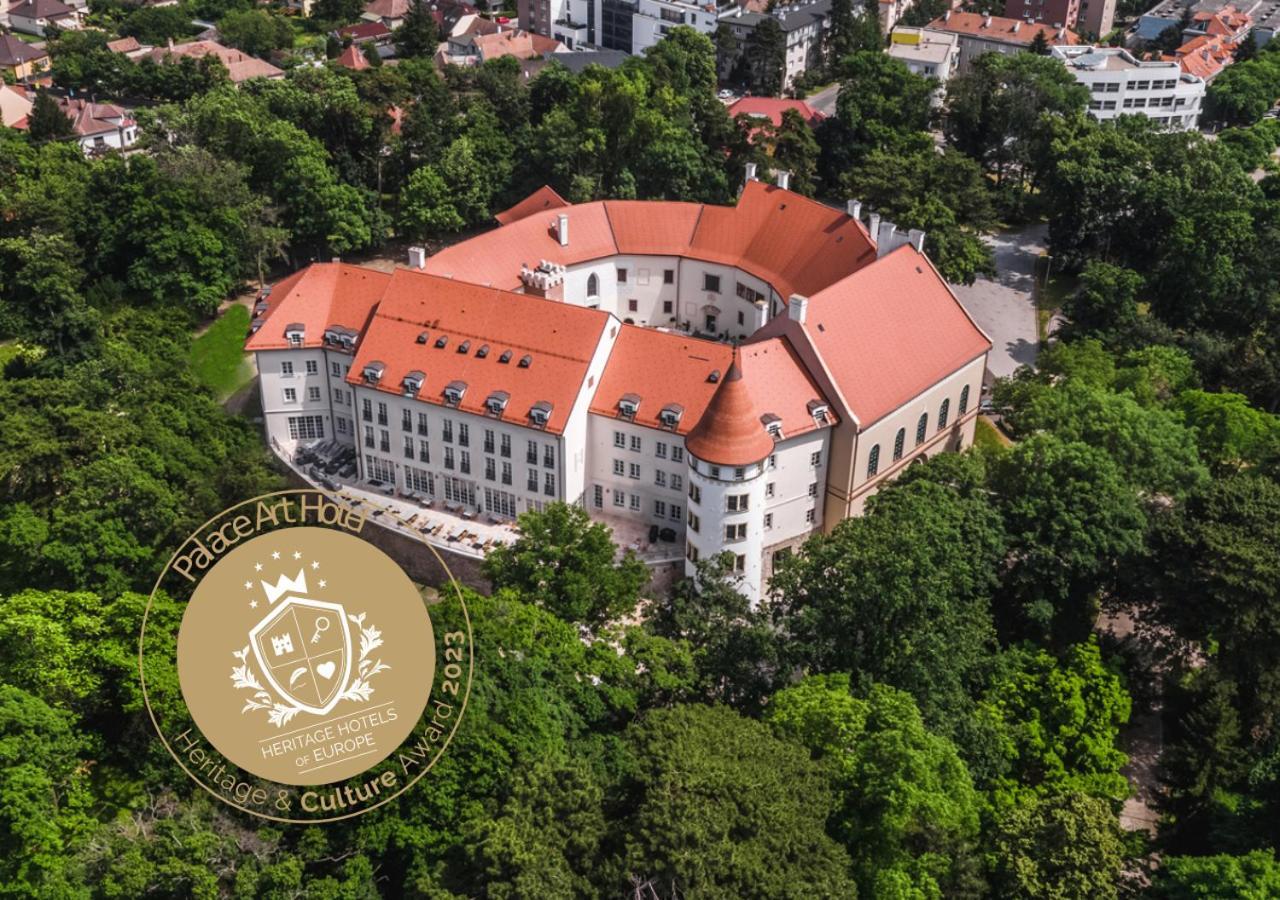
(285, 583)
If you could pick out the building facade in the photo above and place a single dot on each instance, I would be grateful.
(933, 54)
(734, 378)
(1121, 85)
(979, 34)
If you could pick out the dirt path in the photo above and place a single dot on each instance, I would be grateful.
(1143, 738)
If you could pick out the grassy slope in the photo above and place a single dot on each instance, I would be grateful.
(217, 356)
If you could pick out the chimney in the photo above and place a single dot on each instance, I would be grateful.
(853, 208)
(916, 237)
(873, 226)
(946, 17)
(783, 179)
(1016, 26)
(562, 229)
(751, 171)
(986, 23)
(170, 43)
(797, 308)
(417, 257)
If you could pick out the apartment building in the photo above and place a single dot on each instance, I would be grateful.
(1119, 85)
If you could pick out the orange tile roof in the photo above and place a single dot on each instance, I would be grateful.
(890, 331)
(543, 199)
(660, 368)
(240, 66)
(318, 297)
(559, 338)
(999, 28)
(796, 244)
(730, 432)
(780, 385)
(772, 108)
(352, 58)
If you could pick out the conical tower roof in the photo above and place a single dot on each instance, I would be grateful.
(729, 432)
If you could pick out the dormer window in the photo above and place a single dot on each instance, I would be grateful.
(496, 403)
(442, 340)
(540, 414)
(259, 308)
(773, 424)
(253, 328)
(819, 410)
(464, 347)
(670, 416)
(294, 333)
(505, 357)
(373, 372)
(714, 376)
(628, 405)
(423, 337)
(482, 352)
(526, 361)
(413, 383)
(453, 392)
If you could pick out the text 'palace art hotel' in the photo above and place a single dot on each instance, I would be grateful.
(741, 376)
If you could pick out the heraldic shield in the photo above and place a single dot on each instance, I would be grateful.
(303, 647)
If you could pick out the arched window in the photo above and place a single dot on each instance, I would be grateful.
(964, 399)
(943, 412)
(593, 285)
(873, 461)
(921, 428)
(898, 443)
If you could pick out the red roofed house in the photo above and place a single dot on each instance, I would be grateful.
(770, 109)
(979, 34)
(97, 126)
(20, 58)
(35, 16)
(353, 58)
(730, 379)
(240, 66)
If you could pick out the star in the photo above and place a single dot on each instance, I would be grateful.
(297, 555)
(248, 585)
(275, 555)
(257, 567)
(323, 582)
(315, 564)
(253, 604)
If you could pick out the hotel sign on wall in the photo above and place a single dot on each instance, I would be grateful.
(293, 669)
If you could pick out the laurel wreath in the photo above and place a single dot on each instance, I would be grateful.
(279, 714)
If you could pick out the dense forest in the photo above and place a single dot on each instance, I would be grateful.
(924, 706)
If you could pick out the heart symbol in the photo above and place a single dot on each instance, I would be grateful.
(325, 669)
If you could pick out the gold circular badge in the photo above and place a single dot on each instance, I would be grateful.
(292, 667)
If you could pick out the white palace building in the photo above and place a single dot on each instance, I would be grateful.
(744, 375)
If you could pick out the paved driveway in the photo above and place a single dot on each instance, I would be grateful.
(1004, 307)
(824, 101)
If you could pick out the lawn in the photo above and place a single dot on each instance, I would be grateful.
(988, 437)
(217, 356)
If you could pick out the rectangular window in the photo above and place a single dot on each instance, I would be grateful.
(677, 453)
(619, 498)
(286, 369)
(366, 410)
(668, 276)
(464, 435)
(768, 521)
(382, 414)
(419, 480)
(735, 532)
(633, 306)
(500, 503)
(448, 458)
(504, 446)
(690, 551)
(384, 440)
(313, 393)
(635, 443)
(695, 524)
(379, 469)
(711, 282)
(489, 444)
(368, 436)
(422, 424)
(531, 453)
(813, 489)
(736, 502)
(532, 481)
(446, 431)
(506, 473)
(666, 306)
(660, 509)
(341, 424)
(622, 276)
(633, 470)
(677, 482)
(695, 493)
(406, 420)
(660, 478)
(740, 563)
(459, 491)
(634, 502)
(773, 461)
(408, 447)
(810, 515)
(619, 439)
(337, 395)
(768, 489)
(549, 456)
(619, 467)
(549, 484)
(335, 370)
(815, 459)
(660, 450)
(290, 395)
(424, 451)
(305, 428)
(313, 367)
(464, 462)
(490, 469)
(676, 512)
(597, 496)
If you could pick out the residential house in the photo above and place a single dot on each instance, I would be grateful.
(1097, 18)
(15, 105)
(933, 54)
(353, 58)
(97, 127)
(130, 47)
(365, 33)
(804, 24)
(1120, 85)
(20, 58)
(979, 34)
(769, 111)
(1058, 13)
(474, 49)
(35, 16)
(240, 66)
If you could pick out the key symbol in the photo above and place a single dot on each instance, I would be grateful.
(322, 625)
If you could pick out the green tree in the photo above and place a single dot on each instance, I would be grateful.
(418, 35)
(565, 563)
(426, 205)
(898, 595)
(713, 805)
(47, 121)
(907, 810)
(1106, 302)
(1252, 876)
(766, 54)
(156, 25)
(1243, 95)
(256, 31)
(1057, 846)
(796, 150)
(1231, 433)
